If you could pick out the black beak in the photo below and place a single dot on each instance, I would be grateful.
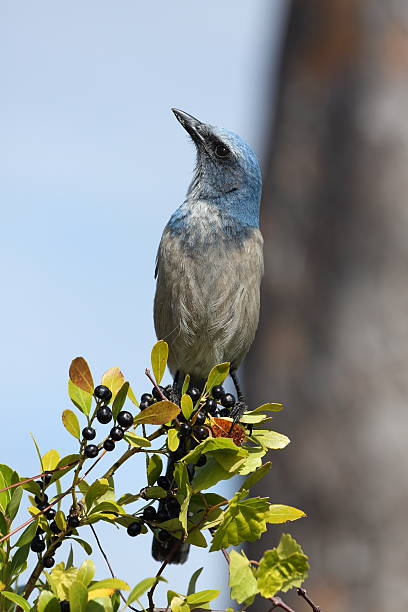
(192, 125)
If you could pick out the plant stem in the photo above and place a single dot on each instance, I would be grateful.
(302, 593)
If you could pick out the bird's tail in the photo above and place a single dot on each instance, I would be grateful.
(168, 548)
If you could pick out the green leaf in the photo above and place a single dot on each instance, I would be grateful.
(173, 439)
(80, 398)
(159, 356)
(113, 379)
(256, 476)
(281, 514)
(14, 503)
(78, 596)
(268, 408)
(155, 493)
(50, 460)
(186, 384)
(154, 469)
(242, 580)
(282, 568)
(179, 604)
(128, 498)
(8, 476)
(243, 521)
(120, 399)
(209, 475)
(37, 448)
(3, 524)
(110, 583)
(60, 579)
(158, 414)
(71, 423)
(270, 439)
(253, 461)
(27, 534)
(18, 561)
(70, 560)
(217, 375)
(47, 602)
(132, 397)
(197, 538)
(193, 581)
(80, 375)
(60, 520)
(187, 407)
(87, 547)
(254, 419)
(224, 450)
(137, 441)
(200, 599)
(100, 604)
(70, 460)
(142, 587)
(95, 491)
(18, 599)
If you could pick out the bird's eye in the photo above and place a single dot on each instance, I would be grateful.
(221, 151)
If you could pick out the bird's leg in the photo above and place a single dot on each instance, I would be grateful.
(241, 406)
(175, 391)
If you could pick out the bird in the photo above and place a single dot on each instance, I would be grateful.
(209, 265)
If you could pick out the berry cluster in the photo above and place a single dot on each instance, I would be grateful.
(104, 416)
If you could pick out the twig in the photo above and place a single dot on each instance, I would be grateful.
(279, 603)
(21, 482)
(226, 555)
(159, 573)
(123, 598)
(154, 383)
(302, 593)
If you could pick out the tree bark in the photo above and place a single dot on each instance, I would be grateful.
(333, 341)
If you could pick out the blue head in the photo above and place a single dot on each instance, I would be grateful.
(227, 173)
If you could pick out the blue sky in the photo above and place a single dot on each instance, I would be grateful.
(92, 163)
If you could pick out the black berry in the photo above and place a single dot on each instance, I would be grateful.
(109, 444)
(116, 433)
(125, 419)
(202, 461)
(184, 430)
(217, 392)
(50, 514)
(225, 412)
(211, 406)
(134, 529)
(37, 545)
(228, 401)
(200, 418)
(104, 414)
(156, 394)
(48, 561)
(47, 479)
(39, 531)
(146, 397)
(73, 522)
(163, 482)
(88, 433)
(143, 405)
(103, 393)
(41, 505)
(179, 453)
(200, 432)
(64, 605)
(149, 513)
(91, 451)
(168, 391)
(194, 393)
(54, 527)
(42, 498)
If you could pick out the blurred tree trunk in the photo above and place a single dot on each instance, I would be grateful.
(333, 341)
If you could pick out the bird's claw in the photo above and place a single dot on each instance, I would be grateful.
(236, 413)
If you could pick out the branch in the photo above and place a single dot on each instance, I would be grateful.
(302, 593)
(279, 603)
(154, 383)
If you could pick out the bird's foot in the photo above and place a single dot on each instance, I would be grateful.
(237, 411)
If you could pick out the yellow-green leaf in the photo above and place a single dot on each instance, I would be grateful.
(281, 514)
(113, 379)
(78, 596)
(18, 599)
(159, 356)
(50, 460)
(120, 399)
(135, 440)
(82, 399)
(242, 580)
(158, 414)
(71, 423)
(132, 397)
(187, 406)
(110, 583)
(186, 384)
(217, 375)
(80, 374)
(270, 439)
(96, 490)
(60, 520)
(173, 440)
